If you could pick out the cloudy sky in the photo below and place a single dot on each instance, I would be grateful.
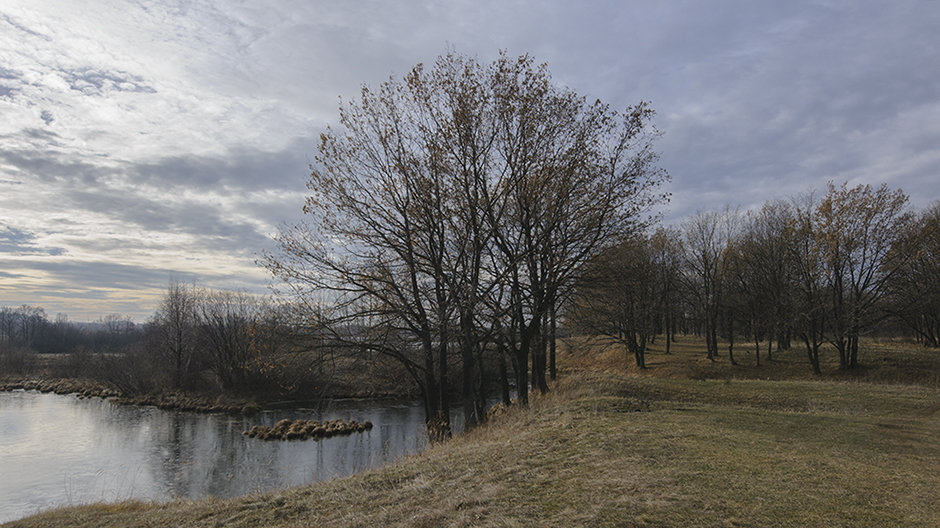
(147, 140)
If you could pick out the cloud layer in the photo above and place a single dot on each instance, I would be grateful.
(147, 140)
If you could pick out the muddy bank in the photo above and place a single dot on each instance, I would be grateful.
(190, 401)
(171, 400)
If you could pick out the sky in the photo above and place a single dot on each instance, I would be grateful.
(149, 141)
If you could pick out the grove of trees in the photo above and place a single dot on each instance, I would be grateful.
(451, 215)
(821, 271)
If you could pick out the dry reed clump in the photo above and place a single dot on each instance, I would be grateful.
(306, 429)
(181, 401)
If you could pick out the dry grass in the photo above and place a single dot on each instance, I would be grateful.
(881, 361)
(609, 447)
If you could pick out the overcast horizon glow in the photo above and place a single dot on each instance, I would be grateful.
(144, 141)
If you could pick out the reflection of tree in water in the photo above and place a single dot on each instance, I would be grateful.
(203, 455)
(195, 455)
(173, 450)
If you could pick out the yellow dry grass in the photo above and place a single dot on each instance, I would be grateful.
(676, 445)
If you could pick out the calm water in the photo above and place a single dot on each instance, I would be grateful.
(59, 450)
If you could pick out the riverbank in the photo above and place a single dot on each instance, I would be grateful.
(168, 400)
(621, 448)
(187, 401)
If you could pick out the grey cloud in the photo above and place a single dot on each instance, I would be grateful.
(53, 167)
(81, 278)
(242, 169)
(9, 74)
(82, 185)
(211, 228)
(13, 239)
(18, 242)
(8, 82)
(88, 276)
(765, 115)
(21, 28)
(91, 81)
(45, 136)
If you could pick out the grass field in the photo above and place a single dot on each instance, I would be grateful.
(687, 442)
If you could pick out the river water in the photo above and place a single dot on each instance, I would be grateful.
(61, 450)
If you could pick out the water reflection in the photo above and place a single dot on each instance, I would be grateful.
(57, 450)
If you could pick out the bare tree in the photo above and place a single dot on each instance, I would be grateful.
(809, 302)
(452, 189)
(707, 236)
(174, 325)
(856, 230)
(616, 297)
(228, 324)
(914, 291)
(666, 247)
(763, 274)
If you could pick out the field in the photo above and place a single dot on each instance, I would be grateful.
(688, 442)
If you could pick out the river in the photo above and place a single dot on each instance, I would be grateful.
(61, 450)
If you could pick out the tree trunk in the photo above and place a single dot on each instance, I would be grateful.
(853, 350)
(522, 375)
(731, 341)
(479, 399)
(553, 371)
(468, 365)
(812, 350)
(443, 418)
(539, 362)
(504, 377)
(842, 347)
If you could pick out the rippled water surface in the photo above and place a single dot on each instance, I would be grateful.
(57, 450)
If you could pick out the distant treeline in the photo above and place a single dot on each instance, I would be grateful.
(31, 328)
(198, 338)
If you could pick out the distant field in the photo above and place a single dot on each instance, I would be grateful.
(686, 443)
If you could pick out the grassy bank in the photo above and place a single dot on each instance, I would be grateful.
(619, 448)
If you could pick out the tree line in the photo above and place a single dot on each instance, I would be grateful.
(818, 271)
(26, 330)
(197, 338)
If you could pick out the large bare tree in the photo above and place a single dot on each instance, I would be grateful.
(451, 211)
